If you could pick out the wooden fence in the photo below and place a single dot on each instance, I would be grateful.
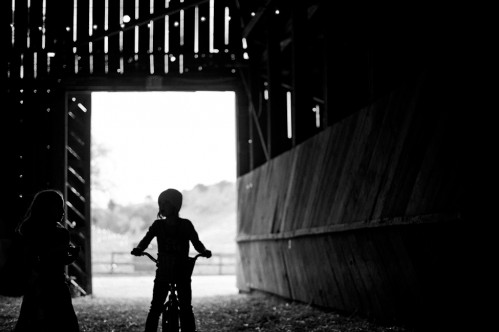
(120, 262)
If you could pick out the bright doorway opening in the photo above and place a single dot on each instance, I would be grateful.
(142, 144)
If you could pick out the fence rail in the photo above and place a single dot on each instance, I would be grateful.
(119, 262)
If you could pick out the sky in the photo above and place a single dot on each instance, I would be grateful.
(160, 140)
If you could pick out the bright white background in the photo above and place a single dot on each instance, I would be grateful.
(159, 140)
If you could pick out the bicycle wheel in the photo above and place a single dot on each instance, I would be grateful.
(170, 319)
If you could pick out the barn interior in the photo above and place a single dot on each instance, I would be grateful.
(352, 160)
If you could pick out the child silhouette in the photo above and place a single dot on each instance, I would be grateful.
(173, 235)
(46, 304)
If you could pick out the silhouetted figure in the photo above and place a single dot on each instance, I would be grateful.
(173, 235)
(46, 304)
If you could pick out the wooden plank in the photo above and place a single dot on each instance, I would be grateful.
(190, 62)
(339, 213)
(129, 38)
(369, 269)
(273, 260)
(204, 30)
(242, 133)
(408, 276)
(409, 161)
(380, 276)
(174, 38)
(285, 285)
(219, 26)
(98, 55)
(438, 184)
(6, 39)
(281, 175)
(35, 26)
(341, 272)
(278, 141)
(58, 26)
(21, 24)
(315, 180)
(234, 28)
(350, 264)
(294, 263)
(337, 297)
(82, 34)
(158, 48)
(114, 52)
(262, 196)
(338, 142)
(398, 285)
(241, 276)
(301, 192)
(328, 292)
(313, 261)
(400, 123)
(20, 39)
(33, 40)
(337, 151)
(362, 190)
(143, 58)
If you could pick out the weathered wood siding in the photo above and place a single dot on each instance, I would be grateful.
(363, 217)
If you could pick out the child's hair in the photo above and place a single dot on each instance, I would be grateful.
(169, 196)
(44, 203)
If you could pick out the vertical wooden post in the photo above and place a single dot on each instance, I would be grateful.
(82, 34)
(303, 119)
(242, 132)
(143, 38)
(114, 21)
(77, 183)
(129, 38)
(276, 105)
(188, 47)
(98, 45)
(158, 49)
(327, 116)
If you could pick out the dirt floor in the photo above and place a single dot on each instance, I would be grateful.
(242, 312)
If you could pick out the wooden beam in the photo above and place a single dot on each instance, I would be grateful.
(355, 226)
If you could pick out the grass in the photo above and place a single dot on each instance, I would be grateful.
(243, 312)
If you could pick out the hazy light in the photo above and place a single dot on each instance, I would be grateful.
(158, 140)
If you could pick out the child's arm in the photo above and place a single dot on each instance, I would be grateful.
(198, 245)
(144, 243)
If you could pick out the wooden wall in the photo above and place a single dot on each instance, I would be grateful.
(366, 216)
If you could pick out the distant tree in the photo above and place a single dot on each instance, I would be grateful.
(111, 205)
(99, 152)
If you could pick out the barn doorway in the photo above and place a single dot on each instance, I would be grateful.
(141, 144)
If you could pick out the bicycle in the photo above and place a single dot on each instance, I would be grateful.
(170, 314)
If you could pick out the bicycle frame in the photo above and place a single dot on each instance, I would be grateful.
(170, 313)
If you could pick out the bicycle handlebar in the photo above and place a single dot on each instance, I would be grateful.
(149, 255)
(144, 253)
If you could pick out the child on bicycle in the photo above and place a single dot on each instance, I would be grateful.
(173, 235)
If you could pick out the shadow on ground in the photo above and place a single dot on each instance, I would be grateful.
(241, 312)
